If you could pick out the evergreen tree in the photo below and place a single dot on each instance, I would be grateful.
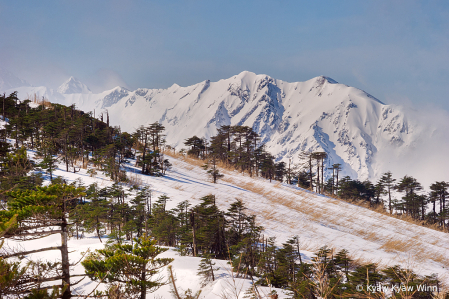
(142, 209)
(49, 161)
(208, 227)
(439, 192)
(214, 172)
(184, 231)
(388, 182)
(44, 209)
(411, 202)
(306, 163)
(95, 212)
(131, 266)
(197, 146)
(279, 171)
(206, 270)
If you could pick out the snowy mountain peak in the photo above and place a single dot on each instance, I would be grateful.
(73, 85)
(321, 80)
(328, 79)
(114, 95)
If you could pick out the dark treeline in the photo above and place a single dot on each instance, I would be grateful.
(60, 133)
(236, 146)
(239, 147)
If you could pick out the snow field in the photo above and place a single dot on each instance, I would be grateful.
(284, 211)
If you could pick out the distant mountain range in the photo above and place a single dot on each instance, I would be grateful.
(352, 126)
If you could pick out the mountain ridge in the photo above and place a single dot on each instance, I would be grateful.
(319, 114)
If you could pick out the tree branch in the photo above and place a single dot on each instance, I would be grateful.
(46, 233)
(31, 251)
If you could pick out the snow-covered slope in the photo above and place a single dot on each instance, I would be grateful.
(284, 211)
(73, 85)
(352, 126)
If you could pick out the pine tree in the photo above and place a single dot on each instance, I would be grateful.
(16, 169)
(214, 172)
(49, 161)
(439, 193)
(237, 221)
(411, 203)
(45, 209)
(196, 146)
(142, 209)
(388, 182)
(184, 231)
(95, 212)
(379, 190)
(132, 266)
(208, 226)
(206, 270)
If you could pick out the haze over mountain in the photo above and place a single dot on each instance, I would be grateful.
(9, 81)
(353, 127)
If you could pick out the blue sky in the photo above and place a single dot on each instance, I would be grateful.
(396, 50)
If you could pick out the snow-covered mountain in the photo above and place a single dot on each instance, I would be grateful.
(73, 85)
(352, 126)
(319, 114)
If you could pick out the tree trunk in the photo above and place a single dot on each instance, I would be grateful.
(192, 222)
(322, 175)
(337, 182)
(143, 154)
(65, 263)
(310, 172)
(65, 153)
(143, 290)
(333, 180)
(389, 200)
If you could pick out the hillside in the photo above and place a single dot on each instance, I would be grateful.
(285, 211)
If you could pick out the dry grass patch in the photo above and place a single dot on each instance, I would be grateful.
(134, 179)
(439, 258)
(277, 185)
(178, 187)
(269, 214)
(397, 245)
(369, 235)
(250, 186)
